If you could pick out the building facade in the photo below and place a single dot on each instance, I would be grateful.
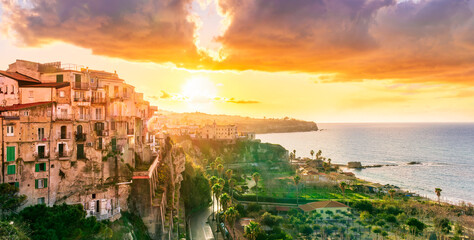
(71, 134)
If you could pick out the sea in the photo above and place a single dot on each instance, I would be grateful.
(445, 152)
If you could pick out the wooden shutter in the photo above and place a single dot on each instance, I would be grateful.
(45, 184)
(11, 169)
(36, 183)
(10, 154)
(37, 167)
(17, 184)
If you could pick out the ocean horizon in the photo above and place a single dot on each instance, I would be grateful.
(444, 150)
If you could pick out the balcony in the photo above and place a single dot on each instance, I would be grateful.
(130, 131)
(64, 117)
(82, 117)
(81, 99)
(41, 155)
(81, 137)
(80, 86)
(96, 100)
(64, 135)
(102, 133)
(64, 154)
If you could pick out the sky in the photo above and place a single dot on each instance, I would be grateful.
(318, 60)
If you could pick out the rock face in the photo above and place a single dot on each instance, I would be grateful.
(354, 165)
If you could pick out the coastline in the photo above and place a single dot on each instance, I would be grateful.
(379, 171)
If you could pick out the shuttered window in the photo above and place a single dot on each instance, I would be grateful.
(10, 154)
(59, 78)
(41, 183)
(11, 169)
(40, 167)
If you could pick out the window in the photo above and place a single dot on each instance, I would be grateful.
(41, 152)
(59, 78)
(26, 113)
(93, 196)
(80, 151)
(11, 169)
(10, 132)
(40, 167)
(41, 183)
(41, 200)
(98, 113)
(31, 94)
(13, 89)
(62, 94)
(40, 134)
(63, 132)
(10, 154)
(116, 91)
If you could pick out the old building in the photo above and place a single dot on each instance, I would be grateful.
(72, 135)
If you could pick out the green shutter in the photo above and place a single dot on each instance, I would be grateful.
(11, 169)
(36, 183)
(114, 144)
(45, 182)
(44, 166)
(59, 78)
(37, 169)
(17, 184)
(10, 154)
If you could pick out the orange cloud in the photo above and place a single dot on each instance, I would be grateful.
(345, 40)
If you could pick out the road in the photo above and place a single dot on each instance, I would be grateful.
(200, 230)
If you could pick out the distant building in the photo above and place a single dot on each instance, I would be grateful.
(219, 132)
(324, 207)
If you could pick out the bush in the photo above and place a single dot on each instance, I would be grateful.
(253, 207)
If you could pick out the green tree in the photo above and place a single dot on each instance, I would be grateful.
(225, 200)
(256, 178)
(415, 226)
(217, 189)
(252, 230)
(438, 193)
(10, 200)
(195, 189)
(213, 165)
(392, 193)
(318, 155)
(231, 216)
(212, 181)
(312, 153)
(220, 169)
(297, 180)
(9, 231)
(442, 225)
(377, 231)
(342, 186)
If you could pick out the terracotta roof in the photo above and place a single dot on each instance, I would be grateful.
(324, 204)
(48, 85)
(19, 77)
(17, 107)
(282, 208)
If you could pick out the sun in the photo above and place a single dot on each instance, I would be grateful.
(199, 92)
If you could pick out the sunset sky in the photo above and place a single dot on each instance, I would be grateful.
(320, 60)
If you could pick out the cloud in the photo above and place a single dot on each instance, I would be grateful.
(165, 95)
(347, 40)
(242, 101)
(142, 30)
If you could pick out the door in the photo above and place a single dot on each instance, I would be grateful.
(80, 151)
(78, 81)
(63, 132)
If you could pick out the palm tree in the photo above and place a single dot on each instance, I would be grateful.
(221, 182)
(342, 186)
(391, 192)
(230, 217)
(229, 174)
(329, 161)
(312, 153)
(256, 177)
(252, 230)
(296, 180)
(218, 160)
(438, 193)
(220, 169)
(318, 154)
(231, 187)
(212, 181)
(212, 165)
(225, 199)
(216, 189)
(294, 153)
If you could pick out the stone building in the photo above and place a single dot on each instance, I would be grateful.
(72, 135)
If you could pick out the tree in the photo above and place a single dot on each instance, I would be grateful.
(225, 200)
(9, 231)
(217, 189)
(294, 153)
(212, 165)
(342, 186)
(312, 153)
(212, 182)
(296, 180)
(252, 230)
(377, 231)
(230, 216)
(231, 188)
(391, 192)
(318, 154)
(438, 193)
(218, 160)
(415, 225)
(443, 225)
(10, 200)
(220, 169)
(256, 178)
(229, 173)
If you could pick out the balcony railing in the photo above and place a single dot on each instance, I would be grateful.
(102, 133)
(81, 137)
(130, 131)
(64, 154)
(80, 86)
(81, 99)
(99, 117)
(82, 117)
(98, 100)
(64, 135)
(64, 117)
